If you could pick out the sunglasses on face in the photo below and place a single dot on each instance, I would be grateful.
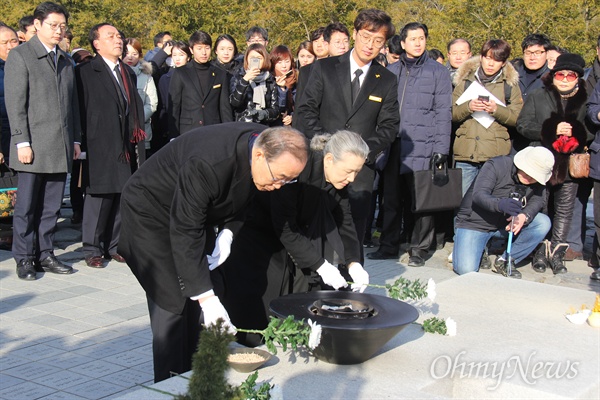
(571, 76)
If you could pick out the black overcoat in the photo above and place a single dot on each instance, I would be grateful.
(198, 181)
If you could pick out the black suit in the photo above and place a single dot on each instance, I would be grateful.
(326, 107)
(200, 180)
(191, 105)
(107, 121)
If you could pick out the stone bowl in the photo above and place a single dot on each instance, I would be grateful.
(355, 325)
(249, 366)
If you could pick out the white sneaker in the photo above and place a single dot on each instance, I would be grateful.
(450, 257)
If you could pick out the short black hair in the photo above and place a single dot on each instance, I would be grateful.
(257, 30)
(332, 28)
(373, 20)
(230, 39)
(394, 45)
(159, 37)
(200, 37)
(536, 39)
(46, 8)
(498, 48)
(25, 23)
(559, 50)
(413, 26)
(317, 33)
(434, 54)
(457, 40)
(93, 35)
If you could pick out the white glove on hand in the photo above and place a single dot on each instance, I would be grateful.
(213, 310)
(331, 276)
(222, 249)
(359, 276)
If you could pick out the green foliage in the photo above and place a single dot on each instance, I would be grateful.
(285, 332)
(248, 389)
(403, 289)
(209, 365)
(572, 24)
(435, 325)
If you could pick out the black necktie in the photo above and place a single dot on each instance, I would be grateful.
(356, 84)
(52, 56)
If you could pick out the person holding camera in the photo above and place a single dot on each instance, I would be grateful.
(508, 194)
(254, 96)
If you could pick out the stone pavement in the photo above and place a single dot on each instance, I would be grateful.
(87, 335)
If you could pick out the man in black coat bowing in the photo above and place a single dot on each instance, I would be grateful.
(170, 208)
(352, 92)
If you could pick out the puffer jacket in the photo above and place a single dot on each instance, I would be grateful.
(241, 99)
(425, 98)
(147, 90)
(497, 180)
(543, 111)
(474, 142)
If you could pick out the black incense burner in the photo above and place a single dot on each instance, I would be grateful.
(355, 325)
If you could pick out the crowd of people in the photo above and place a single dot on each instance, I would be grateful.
(191, 162)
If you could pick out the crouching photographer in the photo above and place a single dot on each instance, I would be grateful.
(508, 194)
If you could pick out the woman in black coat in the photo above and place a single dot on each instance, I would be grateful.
(294, 238)
(554, 116)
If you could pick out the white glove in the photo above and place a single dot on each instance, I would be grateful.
(359, 276)
(213, 310)
(222, 249)
(331, 276)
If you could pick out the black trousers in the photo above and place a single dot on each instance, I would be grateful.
(595, 259)
(39, 197)
(101, 225)
(360, 192)
(174, 338)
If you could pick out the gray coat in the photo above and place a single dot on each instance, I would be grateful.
(41, 101)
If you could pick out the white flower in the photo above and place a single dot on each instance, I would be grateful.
(431, 289)
(450, 327)
(315, 334)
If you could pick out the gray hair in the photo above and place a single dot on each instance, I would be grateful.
(278, 140)
(340, 143)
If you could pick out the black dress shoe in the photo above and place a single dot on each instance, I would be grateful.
(416, 261)
(51, 264)
(26, 270)
(595, 275)
(380, 255)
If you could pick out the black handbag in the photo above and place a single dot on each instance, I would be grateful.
(437, 189)
(8, 190)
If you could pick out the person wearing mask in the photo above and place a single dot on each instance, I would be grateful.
(198, 91)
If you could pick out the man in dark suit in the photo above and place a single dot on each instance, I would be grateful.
(352, 92)
(170, 208)
(41, 101)
(199, 91)
(112, 116)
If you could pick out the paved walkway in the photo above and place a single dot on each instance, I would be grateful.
(87, 335)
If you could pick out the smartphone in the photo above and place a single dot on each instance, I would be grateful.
(254, 63)
(288, 73)
(484, 98)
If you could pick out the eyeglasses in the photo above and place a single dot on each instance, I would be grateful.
(280, 181)
(54, 26)
(378, 42)
(458, 53)
(341, 43)
(570, 76)
(536, 54)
